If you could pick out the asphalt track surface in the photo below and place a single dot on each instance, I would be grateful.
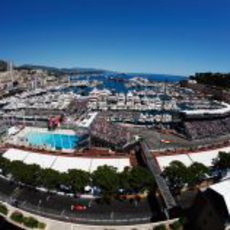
(59, 207)
(153, 139)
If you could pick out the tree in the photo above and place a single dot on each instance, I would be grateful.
(78, 179)
(49, 178)
(221, 80)
(26, 174)
(64, 180)
(140, 178)
(196, 173)
(222, 161)
(176, 174)
(19, 172)
(106, 178)
(4, 165)
(124, 179)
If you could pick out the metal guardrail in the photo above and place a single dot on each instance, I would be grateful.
(163, 187)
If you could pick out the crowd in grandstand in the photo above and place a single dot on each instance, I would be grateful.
(207, 128)
(78, 107)
(105, 132)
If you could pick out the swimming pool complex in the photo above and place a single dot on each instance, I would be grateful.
(53, 140)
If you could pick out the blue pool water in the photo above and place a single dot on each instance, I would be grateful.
(57, 141)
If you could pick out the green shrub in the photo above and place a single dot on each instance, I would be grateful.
(160, 227)
(41, 225)
(17, 217)
(3, 209)
(30, 222)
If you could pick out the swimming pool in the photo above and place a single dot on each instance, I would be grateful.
(57, 141)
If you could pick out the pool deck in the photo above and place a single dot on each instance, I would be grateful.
(20, 137)
(45, 130)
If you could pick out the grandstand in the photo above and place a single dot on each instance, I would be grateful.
(197, 129)
(107, 134)
(199, 124)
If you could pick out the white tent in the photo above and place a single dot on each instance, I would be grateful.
(62, 163)
(204, 157)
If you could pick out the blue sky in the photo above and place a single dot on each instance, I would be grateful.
(157, 36)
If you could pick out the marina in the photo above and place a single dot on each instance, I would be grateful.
(115, 115)
(62, 133)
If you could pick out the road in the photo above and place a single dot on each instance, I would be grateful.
(59, 207)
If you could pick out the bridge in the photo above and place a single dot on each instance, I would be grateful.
(155, 170)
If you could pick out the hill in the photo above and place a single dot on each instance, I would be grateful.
(221, 80)
(3, 66)
(61, 71)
